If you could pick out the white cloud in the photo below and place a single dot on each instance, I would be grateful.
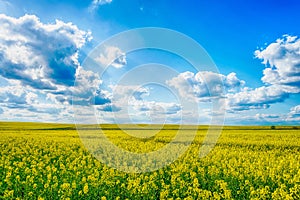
(133, 96)
(112, 56)
(15, 96)
(43, 56)
(294, 115)
(154, 107)
(268, 117)
(128, 91)
(21, 103)
(258, 98)
(205, 84)
(291, 118)
(281, 77)
(295, 111)
(96, 3)
(40, 112)
(129, 104)
(40, 63)
(282, 59)
(87, 89)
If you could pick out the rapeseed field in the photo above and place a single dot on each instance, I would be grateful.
(49, 161)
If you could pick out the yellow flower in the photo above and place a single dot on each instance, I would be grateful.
(9, 193)
(65, 186)
(74, 185)
(85, 189)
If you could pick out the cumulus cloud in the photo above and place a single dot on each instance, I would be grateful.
(258, 98)
(40, 63)
(128, 91)
(281, 77)
(295, 111)
(87, 89)
(15, 96)
(112, 56)
(154, 107)
(294, 115)
(129, 103)
(43, 56)
(282, 59)
(154, 111)
(204, 84)
(46, 112)
(19, 103)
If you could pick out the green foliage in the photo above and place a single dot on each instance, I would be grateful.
(273, 127)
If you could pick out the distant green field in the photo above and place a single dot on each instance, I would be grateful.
(49, 161)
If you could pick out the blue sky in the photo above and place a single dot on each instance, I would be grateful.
(253, 44)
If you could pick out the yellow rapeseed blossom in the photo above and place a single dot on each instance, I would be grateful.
(85, 189)
(244, 164)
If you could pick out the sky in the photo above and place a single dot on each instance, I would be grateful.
(95, 61)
